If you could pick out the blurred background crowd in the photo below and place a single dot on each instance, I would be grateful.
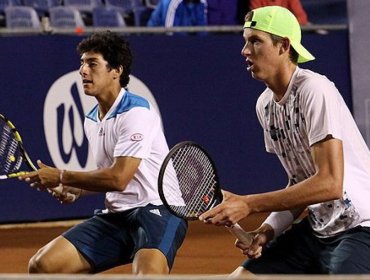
(167, 13)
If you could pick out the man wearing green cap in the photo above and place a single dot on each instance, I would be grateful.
(308, 126)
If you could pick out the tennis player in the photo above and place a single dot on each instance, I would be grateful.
(308, 126)
(128, 144)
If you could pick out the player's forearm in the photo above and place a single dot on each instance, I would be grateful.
(313, 190)
(102, 180)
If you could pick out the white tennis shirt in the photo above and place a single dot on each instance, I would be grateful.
(130, 128)
(312, 109)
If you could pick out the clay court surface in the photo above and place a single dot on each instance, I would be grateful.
(206, 250)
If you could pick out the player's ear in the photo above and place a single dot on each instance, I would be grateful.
(284, 45)
(118, 72)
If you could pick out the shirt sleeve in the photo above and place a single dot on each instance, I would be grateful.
(322, 109)
(135, 133)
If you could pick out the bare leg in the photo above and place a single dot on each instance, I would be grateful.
(150, 261)
(58, 256)
(240, 273)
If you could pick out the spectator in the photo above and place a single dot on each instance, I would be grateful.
(295, 6)
(171, 13)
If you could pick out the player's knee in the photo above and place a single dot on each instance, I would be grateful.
(37, 264)
(149, 261)
(149, 268)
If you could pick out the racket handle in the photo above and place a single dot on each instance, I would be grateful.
(241, 234)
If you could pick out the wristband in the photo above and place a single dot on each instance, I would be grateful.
(279, 221)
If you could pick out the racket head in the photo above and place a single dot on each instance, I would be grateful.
(189, 172)
(12, 152)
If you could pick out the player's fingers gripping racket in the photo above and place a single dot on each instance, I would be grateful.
(188, 184)
(13, 155)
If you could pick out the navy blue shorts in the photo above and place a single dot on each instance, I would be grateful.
(299, 251)
(110, 240)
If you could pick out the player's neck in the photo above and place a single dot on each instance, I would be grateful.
(106, 101)
(280, 82)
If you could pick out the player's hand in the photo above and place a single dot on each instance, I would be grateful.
(262, 236)
(232, 209)
(43, 178)
(65, 194)
(48, 176)
(254, 250)
(32, 178)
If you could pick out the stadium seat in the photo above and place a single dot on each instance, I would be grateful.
(124, 7)
(3, 5)
(141, 15)
(141, 12)
(119, 4)
(42, 6)
(107, 17)
(83, 5)
(21, 17)
(65, 17)
(6, 3)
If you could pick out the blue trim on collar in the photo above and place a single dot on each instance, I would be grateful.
(128, 102)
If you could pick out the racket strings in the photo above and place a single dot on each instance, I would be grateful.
(205, 185)
(10, 154)
(197, 180)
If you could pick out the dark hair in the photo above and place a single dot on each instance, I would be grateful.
(293, 55)
(114, 49)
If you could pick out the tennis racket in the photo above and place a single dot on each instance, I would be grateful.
(188, 184)
(13, 155)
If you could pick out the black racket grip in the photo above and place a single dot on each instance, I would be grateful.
(241, 234)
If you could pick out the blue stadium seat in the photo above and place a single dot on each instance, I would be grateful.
(21, 17)
(42, 6)
(6, 3)
(65, 17)
(83, 5)
(3, 5)
(141, 15)
(107, 17)
(124, 7)
(131, 10)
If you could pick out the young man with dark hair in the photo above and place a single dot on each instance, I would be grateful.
(128, 144)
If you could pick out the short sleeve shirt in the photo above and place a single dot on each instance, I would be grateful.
(312, 109)
(131, 128)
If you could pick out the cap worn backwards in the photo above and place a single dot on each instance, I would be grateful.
(281, 22)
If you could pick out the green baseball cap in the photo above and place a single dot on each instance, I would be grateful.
(281, 22)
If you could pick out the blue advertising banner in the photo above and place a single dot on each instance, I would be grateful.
(198, 83)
